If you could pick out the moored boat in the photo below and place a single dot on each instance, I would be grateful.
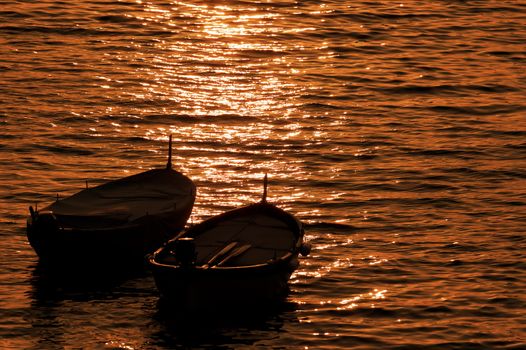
(241, 257)
(118, 222)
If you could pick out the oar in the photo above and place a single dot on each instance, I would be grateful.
(235, 252)
(220, 253)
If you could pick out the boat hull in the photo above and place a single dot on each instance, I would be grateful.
(116, 223)
(206, 289)
(117, 245)
(260, 277)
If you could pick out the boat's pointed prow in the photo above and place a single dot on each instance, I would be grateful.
(265, 184)
(169, 163)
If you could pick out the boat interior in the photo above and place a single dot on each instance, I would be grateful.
(253, 239)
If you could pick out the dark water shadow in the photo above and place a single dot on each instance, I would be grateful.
(220, 328)
(66, 301)
(54, 284)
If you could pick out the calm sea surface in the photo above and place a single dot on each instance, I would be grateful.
(396, 130)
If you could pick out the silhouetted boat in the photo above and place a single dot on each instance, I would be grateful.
(120, 221)
(241, 257)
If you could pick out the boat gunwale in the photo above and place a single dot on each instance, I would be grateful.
(136, 223)
(111, 183)
(266, 265)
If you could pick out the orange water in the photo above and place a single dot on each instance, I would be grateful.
(394, 130)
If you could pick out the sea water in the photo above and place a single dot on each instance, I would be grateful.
(395, 130)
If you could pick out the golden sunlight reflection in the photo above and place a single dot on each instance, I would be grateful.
(236, 154)
(367, 300)
(322, 265)
(118, 345)
(299, 275)
(222, 81)
(354, 302)
(310, 271)
(373, 260)
(226, 61)
(208, 73)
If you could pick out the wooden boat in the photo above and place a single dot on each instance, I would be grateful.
(241, 257)
(119, 222)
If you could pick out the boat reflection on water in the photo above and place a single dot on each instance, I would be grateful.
(102, 304)
(220, 328)
(51, 284)
(65, 307)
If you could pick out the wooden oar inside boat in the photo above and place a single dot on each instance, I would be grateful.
(219, 254)
(236, 252)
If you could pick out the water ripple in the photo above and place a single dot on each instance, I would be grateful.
(395, 131)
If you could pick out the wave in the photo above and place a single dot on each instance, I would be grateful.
(448, 89)
(479, 110)
(323, 225)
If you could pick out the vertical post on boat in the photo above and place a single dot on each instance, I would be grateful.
(265, 184)
(32, 212)
(169, 164)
